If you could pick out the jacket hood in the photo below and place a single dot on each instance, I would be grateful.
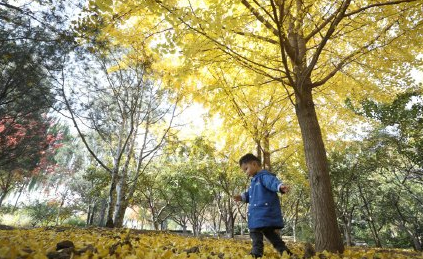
(262, 172)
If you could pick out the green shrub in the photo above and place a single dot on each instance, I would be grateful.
(75, 221)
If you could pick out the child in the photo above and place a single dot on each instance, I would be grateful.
(264, 210)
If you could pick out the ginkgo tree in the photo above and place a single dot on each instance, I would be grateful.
(261, 110)
(301, 45)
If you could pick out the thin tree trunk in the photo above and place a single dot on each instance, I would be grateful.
(414, 237)
(258, 148)
(112, 200)
(155, 224)
(231, 224)
(7, 188)
(327, 234)
(19, 196)
(122, 196)
(3, 195)
(93, 211)
(102, 212)
(347, 230)
(59, 211)
(369, 219)
(121, 201)
(294, 226)
(87, 222)
(417, 243)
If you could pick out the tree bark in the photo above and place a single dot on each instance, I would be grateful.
(87, 222)
(230, 221)
(119, 216)
(2, 197)
(102, 212)
(156, 224)
(258, 148)
(326, 230)
(93, 211)
(347, 229)
(294, 225)
(121, 200)
(112, 200)
(266, 153)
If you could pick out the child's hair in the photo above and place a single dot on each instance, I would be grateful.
(249, 158)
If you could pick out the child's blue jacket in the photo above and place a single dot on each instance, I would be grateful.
(264, 209)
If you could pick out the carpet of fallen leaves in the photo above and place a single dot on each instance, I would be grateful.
(66, 242)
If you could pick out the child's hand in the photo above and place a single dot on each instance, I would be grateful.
(237, 198)
(284, 189)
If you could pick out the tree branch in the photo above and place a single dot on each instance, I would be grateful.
(248, 63)
(81, 134)
(377, 5)
(284, 44)
(260, 17)
(331, 30)
(323, 25)
(257, 37)
(349, 58)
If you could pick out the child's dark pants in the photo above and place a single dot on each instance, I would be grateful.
(274, 238)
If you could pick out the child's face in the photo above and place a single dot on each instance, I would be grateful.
(250, 168)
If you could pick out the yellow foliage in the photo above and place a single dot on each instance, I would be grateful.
(131, 244)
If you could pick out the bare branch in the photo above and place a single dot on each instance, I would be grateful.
(81, 134)
(377, 5)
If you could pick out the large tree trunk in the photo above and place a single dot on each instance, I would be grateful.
(120, 210)
(195, 229)
(266, 152)
(326, 230)
(258, 148)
